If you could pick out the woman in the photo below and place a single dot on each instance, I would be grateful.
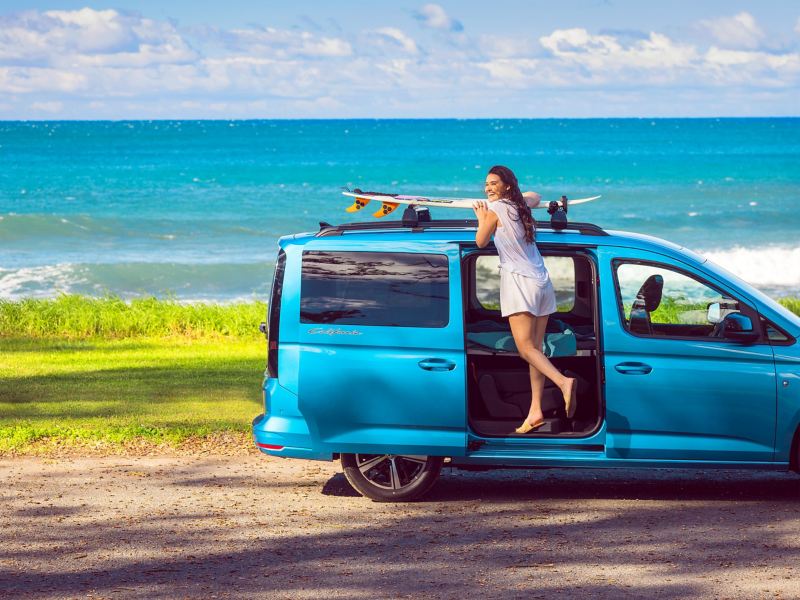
(527, 296)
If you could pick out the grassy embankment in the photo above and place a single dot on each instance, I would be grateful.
(80, 372)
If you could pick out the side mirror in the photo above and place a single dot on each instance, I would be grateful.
(738, 328)
(714, 313)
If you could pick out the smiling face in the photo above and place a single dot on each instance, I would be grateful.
(495, 188)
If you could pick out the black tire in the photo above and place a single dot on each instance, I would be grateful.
(391, 477)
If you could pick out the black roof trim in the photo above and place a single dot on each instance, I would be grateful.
(330, 230)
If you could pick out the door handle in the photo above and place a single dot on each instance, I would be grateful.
(437, 364)
(633, 368)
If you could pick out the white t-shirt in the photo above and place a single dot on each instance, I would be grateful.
(516, 255)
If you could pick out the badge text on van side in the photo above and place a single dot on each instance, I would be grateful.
(332, 331)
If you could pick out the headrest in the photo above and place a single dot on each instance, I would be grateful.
(650, 292)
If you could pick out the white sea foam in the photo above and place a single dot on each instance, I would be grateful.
(39, 282)
(766, 267)
(187, 281)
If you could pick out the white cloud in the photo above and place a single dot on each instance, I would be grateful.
(435, 17)
(570, 42)
(284, 44)
(48, 107)
(25, 80)
(738, 31)
(87, 36)
(605, 52)
(493, 46)
(93, 31)
(512, 73)
(743, 67)
(399, 38)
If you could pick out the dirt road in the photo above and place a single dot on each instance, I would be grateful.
(251, 526)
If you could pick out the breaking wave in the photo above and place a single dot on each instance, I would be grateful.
(773, 268)
(223, 282)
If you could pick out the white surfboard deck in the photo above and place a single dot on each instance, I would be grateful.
(389, 202)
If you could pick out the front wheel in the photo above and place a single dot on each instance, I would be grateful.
(391, 477)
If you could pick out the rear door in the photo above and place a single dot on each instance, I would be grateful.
(381, 348)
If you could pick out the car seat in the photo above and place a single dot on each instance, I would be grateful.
(507, 394)
(647, 300)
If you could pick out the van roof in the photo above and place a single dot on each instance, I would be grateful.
(463, 231)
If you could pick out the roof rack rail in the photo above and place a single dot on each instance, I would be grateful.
(331, 230)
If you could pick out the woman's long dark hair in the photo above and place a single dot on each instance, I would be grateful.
(514, 197)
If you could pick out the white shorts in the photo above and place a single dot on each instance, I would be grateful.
(523, 294)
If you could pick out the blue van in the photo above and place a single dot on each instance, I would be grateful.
(387, 351)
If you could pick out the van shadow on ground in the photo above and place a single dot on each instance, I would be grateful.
(632, 484)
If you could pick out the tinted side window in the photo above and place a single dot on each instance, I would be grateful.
(375, 288)
(774, 334)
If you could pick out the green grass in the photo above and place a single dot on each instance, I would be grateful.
(74, 316)
(116, 391)
(793, 304)
(82, 371)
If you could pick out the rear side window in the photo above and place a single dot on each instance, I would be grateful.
(374, 288)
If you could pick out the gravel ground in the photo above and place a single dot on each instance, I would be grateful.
(252, 526)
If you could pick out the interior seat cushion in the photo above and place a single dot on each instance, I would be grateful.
(559, 340)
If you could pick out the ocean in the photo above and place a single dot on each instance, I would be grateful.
(193, 209)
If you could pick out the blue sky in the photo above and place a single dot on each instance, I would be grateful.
(349, 59)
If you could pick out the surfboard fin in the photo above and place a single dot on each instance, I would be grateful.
(357, 205)
(386, 208)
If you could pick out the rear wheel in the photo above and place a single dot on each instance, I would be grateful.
(391, 477)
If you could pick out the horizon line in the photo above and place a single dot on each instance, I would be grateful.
(240, 119)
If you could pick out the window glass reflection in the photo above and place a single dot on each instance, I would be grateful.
(374, 288)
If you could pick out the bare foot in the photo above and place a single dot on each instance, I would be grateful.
(570, 393)
(534, 418)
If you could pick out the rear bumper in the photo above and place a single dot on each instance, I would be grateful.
(285, 437)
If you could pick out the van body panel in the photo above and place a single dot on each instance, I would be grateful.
(787, 367)
(372, 388)
(282, 427)
(709, 400)
(356, 398)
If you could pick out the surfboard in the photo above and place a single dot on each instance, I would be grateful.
(389, 202)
